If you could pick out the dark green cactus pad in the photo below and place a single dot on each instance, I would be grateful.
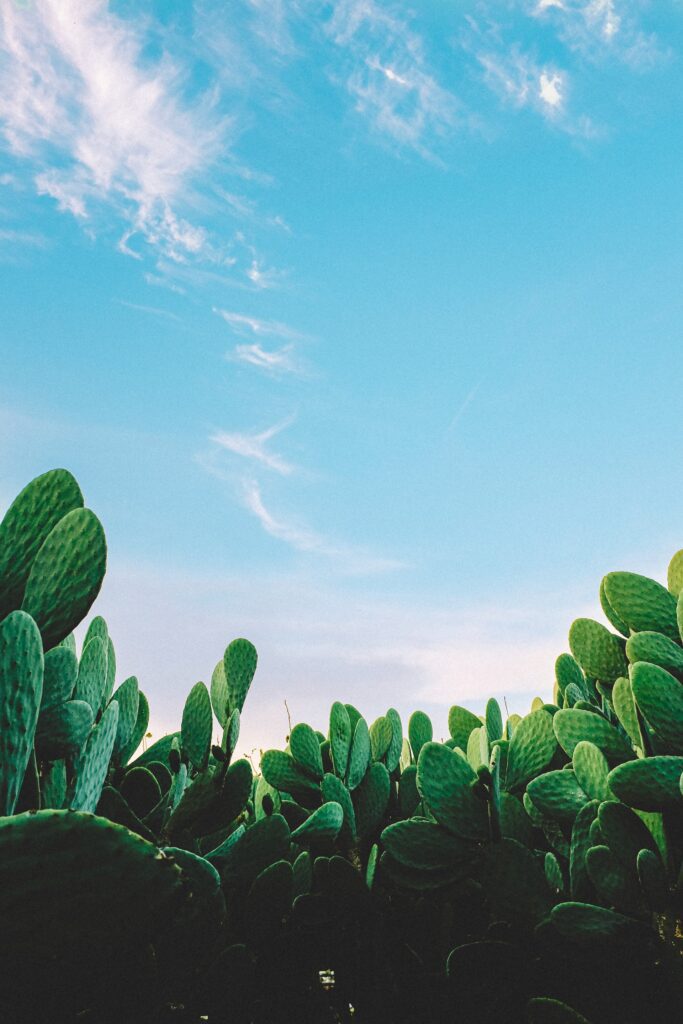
(625, 709)
(649, 784)
(659, 696)
(111, 671)
(624, 832)
(132, 889)
(674, 575)
(221, 853)
(93, 763)
(97, 627)
(515, 882)
(444, 781)
(91, 682)
(53, 786)
(305, 749)
(580, 885)
(420, 731)
(571, 726)
(340, 738)
(599, 652)
(557, 795)
(239, 662)
(653, 880)
(323, 823)
(127, 696)
(62, 730)
(157, 751)
(59, 676)
(302, 874)
(360, 755)
(542, 1010)
(425, 846)
(642, 603)
(197, 724)
(380, 737)
(610, 613)
(532, 748)
(267, 841)
(412, 878)
(30, 518)
(231, 734)
(494, 720)
(553, 875)
(282, 772)
(268, 902)
(21, 688)
(112, 805)
(515, 823)
(334, 789)
(393, 754)
(70, 643)
(408, 795)
(219, 694)
(461, 722)
(141, 791)
(138, 734)
(568, 672)
(591, 770)
(590, 925)
(656, 649)
(162, 774)
(66, 575)
(212, 801)
(370, 800)
(616, 885)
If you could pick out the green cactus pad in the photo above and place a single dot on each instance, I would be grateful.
(659, 696)
(461, 722)
(567, 672)
(127, 696)
(21, 688)
(380, 737)
(614, 884)
(231, 733)
(282, 772)
(642, 603)
(542, 1010)
(132, 889)
(557, 795)
(302, 874)
(649, 784)
(514, 820)
(599, 652)
(213, 800)
(580, 886)
(393, 754)
(408, 795)
(141, 791)
(674, 575)
(420, 731)
(624, 832)
(53, 786)
(656, 649)
(219, 693)
(92, 673)
(591, 770)
(267, 841)
(494, 720)
(589, 925)
(610, 613)
(370, 800)
(111, 671)
(305, 749)
(197, 725)
(138, 734)
(653, 880)
(62, 730)
(66, 575)
(425, 846)
(269, 901)
(571, 726)
(333, 789)
(340, 738)
(323, 823)
(625, 709)
(444, 781)
(361, 752)
(93, 763)
(531, 749)
(515, 882)
(239, 662)
(30, 518)
(59, 677)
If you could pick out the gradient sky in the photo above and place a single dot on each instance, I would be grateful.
(359, 324)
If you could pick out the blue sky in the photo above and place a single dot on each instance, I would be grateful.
(358, 322)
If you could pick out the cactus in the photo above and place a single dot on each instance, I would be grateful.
(21, 688)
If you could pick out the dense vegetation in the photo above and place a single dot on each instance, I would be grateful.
(527, 870)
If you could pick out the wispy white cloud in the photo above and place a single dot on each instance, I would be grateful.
(254, 446)
(249, 326)
(273, 361)
(348, 559)
(31, 238)
(151, 310)
(601, 29)
(388, 75)
(157, 281)
(101, 124)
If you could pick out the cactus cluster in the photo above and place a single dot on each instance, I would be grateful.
(527, 869)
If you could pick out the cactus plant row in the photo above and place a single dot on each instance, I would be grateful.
(526, 868)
